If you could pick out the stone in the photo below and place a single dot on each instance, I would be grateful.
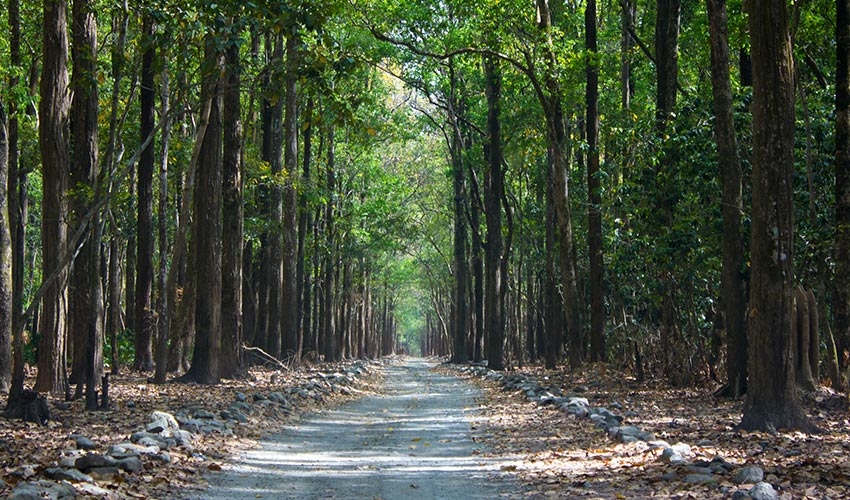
(720, 466)
(683, 449)
(69, 458)
(104, 473)
(163, 457)
(241, 397)
(71, 475)
(130, 464)
(43, 489)
(698, 478)
(125, 450)
(631, 414)
(671, 456)
(670, 476)
(645, 436)
(154, 441)
(94, 491)
(93, 461)
(763, 491)
(204, 415)
(741, 495)
(616, 405)
(750, 474)
(84, 443)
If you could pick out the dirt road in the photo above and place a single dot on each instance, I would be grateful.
(413, 442)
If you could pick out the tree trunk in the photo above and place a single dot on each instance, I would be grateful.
(733, 288)
(207, 232)
(305, 224)
(232, 362)
(771, 402)
(494, 322)
(477, 269)
(841, 319)
(86, 299)
(461, 271)
(18, 208)
(554, 310)
(143, 326)
(6, 286)
(272, 264)
(594, 193)
(289, 321)
(53, 141)
(328, 321)
(162, 330)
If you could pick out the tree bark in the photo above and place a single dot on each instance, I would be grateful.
(207, 232)
(162, 311)
(841, 319)
(232, 362)
(328, 321)
(771, 402)
(54, 106)
(86, 300)
(461, 271)
(494, 186)
(6, 286)
(305, 225)
(143, 326)
(289, 322)
(553, 307)
(272, 264)
(732, 285)
(594, 192)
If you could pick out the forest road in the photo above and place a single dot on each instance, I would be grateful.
(415, 441)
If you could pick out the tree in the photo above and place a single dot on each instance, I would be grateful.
(207, 230)
(87, 297)
(54, 107)
(841, 317)
(772, 401)
(232, 362)
(594, 191)
(461, 270)
(289, 320)
(6, 310)
(733, 288)
(144, 325)
(493, 192)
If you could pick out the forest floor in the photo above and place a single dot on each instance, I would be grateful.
(28, 451)
(564, 456)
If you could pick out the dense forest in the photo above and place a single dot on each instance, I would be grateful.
(190, 188)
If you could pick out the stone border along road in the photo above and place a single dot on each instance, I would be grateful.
(412, 442)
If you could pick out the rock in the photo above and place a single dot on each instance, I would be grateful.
(125, 450)
(168, 418)
(625, 430)
(93, 461)
(234, 415)
(616, 405)
(670, 476)
(705, 442)
(750, 474)
(94, 491)
(683, 449)
(741, 495)
(671, 456)
(163, 457)
(698, 478)
(69, 458)
(43, 489)
(104, 473)
(71, 475)
(183, 438)
(131, 404)
(204, 414)
(130, 464)
(154, 441)
(763, 491)
(84, 443)
(645, 436)
(241, 397)
(631, 414)
(720, 466)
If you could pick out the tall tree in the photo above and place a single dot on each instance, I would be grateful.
(328, 280)
(232, 362)
(207, 230)
(842, 183)
(594, 190)
(162, 310)
(54, 106)
(494, 187)
(6, 287)
(732, 286)
(289, 321)
(87, 297)
(461, 271)
(17, 200)
(143, 327)
(272, 249)
(772, 402)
